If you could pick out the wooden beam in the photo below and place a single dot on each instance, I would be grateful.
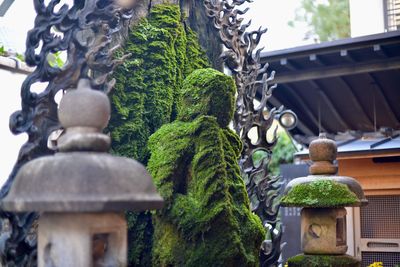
(304, 107)
(288, 64)
(357, 105)
(381, 93)
(334, 110)
(341, 70)
(380, 50)
(347, 55)
(324, 97)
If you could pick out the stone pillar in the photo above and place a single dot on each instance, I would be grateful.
(82, 239)
(323, 231)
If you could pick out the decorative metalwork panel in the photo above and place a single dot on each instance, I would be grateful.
(242, 58)
(85, 31)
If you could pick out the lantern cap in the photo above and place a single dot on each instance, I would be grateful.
(323, 189)
(82, 177)
(82, 182)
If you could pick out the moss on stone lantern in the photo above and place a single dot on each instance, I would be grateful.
(323, 196)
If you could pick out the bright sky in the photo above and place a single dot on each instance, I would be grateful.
(272, 14)
(275, 15)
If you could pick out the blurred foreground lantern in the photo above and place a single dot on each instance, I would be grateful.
(82, 190)
(323, 196)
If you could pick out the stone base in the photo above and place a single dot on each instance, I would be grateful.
(82, 239)
(303, 260)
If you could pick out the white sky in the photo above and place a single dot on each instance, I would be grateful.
(19, 19)
(275, 15)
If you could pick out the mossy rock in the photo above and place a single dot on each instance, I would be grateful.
(322, 193)
(323, 261)
(207, 92)
(145, 96)
(149, 81)
(206, 219)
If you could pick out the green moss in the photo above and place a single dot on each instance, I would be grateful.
(197, 58)
(149, 81)
(320, 193)
(199, 96)
(323, 261)
(206, 220)
(145, 95)
(139, 251)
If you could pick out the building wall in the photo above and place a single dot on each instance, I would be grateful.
(366, 17)
(378, 176)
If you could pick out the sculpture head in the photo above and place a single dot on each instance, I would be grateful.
(207, 92)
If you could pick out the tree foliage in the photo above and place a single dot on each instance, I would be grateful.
(282, 153)
(329, 20)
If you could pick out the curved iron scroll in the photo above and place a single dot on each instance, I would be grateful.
(242, 57)
(85, 31)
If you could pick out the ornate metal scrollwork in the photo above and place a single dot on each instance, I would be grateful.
(86, 32)
(252, 79)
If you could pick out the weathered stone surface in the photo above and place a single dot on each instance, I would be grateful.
(323, 149)
(323, 167)
(323, 152)
(83, 140)
(318, 231)
(82, 182)
(84, 107)
(80, 240)
(84, 113)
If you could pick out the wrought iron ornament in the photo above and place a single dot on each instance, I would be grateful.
(242, 58)
(85, 31)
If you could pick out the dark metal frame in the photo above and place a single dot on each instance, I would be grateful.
(86, 32)
(242, 58)
(5, 6)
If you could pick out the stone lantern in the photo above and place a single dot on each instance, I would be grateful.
(82, 191)
(323, 196)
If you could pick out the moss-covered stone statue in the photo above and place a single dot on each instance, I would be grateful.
(206, 220)
(163, 51)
